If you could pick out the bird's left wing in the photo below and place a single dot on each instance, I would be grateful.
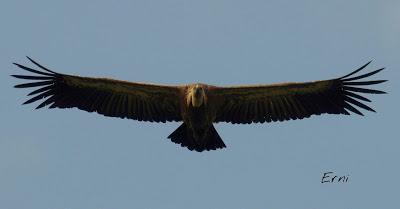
(279, 102)
(139, 101)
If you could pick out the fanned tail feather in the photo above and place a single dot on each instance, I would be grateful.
(184, 136)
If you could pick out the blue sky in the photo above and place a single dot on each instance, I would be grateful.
(74, 159)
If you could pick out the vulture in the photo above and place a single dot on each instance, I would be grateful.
(199, 105)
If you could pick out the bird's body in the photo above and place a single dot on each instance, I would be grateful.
(198, 118)
(198, 105)
(197, 132)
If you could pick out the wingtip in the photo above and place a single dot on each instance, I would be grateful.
(18, 65)
(379, 92)
(356, 71)
(30, 59)
(366, 64)
(40, 106)
(359, 113)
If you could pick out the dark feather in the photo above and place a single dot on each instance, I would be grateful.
(355, 102)
(272, 111)
(33, 77)
(46, 102)
(361, 83)
(33, 84)
(362, 90)
(349, 93)
(356, 71)
(45, 88)
(363, 76)
(262, 114)
(40, 96)
(351, 108)
(32, 70)
(40, 65)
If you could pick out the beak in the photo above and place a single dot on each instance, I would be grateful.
(197, 91)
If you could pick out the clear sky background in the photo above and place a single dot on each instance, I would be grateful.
(70, 159)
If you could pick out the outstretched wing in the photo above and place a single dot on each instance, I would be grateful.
(279, 102)
(143, 102)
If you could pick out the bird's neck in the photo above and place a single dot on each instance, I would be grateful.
(195, 100)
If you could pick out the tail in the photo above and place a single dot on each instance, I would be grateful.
(184, 136)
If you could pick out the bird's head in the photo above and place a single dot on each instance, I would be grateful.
(196, 96)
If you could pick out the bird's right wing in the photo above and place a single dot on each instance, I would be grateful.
(138, 101)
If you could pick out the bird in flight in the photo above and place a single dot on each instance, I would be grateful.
(199, 105)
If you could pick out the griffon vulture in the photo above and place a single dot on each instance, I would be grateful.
(199, 105)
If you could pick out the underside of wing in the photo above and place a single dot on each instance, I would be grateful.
(279, 102)
(143, 102)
